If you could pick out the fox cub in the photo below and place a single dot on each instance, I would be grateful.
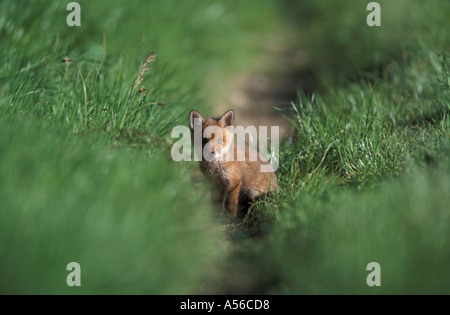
(237, 177)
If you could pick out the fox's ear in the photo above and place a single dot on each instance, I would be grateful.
(227, 119)
(194, 114)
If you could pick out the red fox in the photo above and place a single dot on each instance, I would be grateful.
(240, 181)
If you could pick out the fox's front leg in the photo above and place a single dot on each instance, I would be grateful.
(233, 199)
(224, 199)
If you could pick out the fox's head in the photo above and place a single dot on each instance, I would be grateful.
(215, 137)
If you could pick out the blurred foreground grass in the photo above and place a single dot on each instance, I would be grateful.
(125, 215)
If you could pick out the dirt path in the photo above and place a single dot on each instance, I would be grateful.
(274, 83)
(253, 96)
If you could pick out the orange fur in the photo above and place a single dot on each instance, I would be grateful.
(239, 182)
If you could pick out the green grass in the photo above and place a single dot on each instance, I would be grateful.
(332, 235)
(369, 181)
(108, 208)
(95, 91)
(86, 174)
(338, 42)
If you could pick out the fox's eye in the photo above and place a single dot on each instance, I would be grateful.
(220, 141)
